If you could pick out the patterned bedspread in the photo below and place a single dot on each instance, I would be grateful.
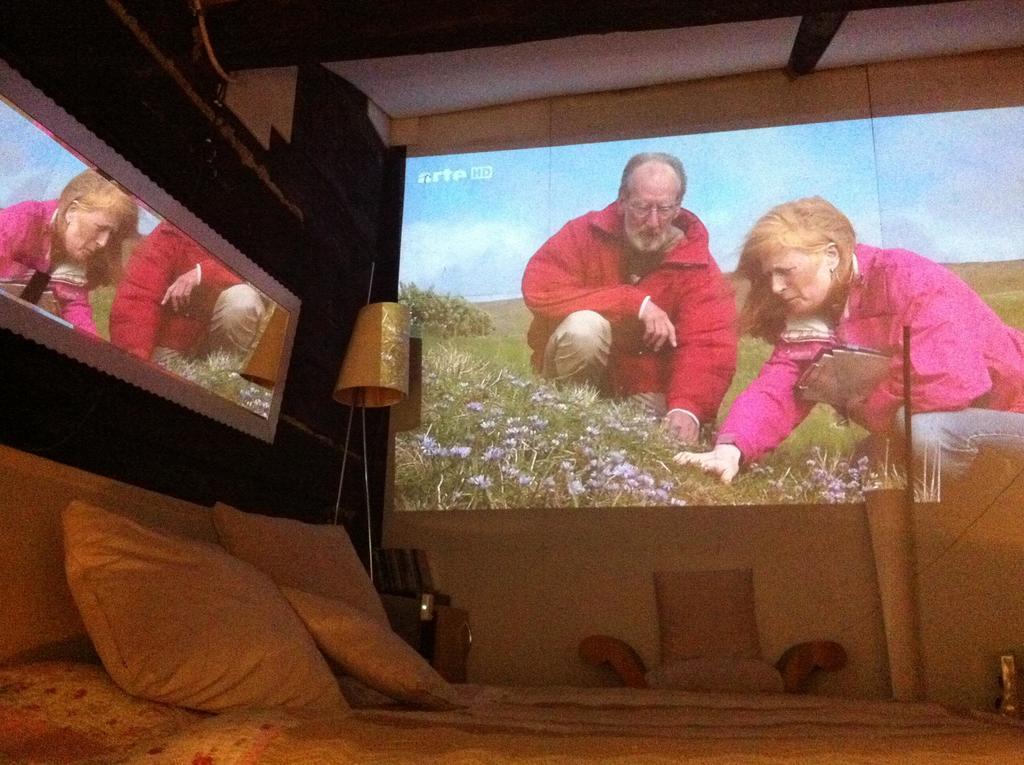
(74, 714)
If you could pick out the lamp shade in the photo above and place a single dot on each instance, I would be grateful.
(265, 362)
(376, 367)
(408, 413)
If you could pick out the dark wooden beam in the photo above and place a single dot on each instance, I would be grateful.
(263, 33)
(812, 39)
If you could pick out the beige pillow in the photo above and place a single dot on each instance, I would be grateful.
(182, 622)
(313, 558)
(370, 652)
(717, 675)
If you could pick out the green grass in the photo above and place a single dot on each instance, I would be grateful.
(495, 435)
(218, 373)
(822, 427)
(101, 298)
(1009, 305)
(511, 353)
(497, 438)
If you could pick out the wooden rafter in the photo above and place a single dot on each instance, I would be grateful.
(812, 39)
(250, 34)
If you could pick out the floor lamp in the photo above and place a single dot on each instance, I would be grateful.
(375, 373)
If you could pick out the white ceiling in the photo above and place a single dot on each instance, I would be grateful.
(433, 83)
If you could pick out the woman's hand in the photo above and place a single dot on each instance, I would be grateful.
(723, 460)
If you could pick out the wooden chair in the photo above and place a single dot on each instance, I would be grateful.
(709, 642)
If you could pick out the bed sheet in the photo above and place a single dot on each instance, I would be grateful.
(59, 712)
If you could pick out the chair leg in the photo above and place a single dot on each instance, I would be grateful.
(619, 655)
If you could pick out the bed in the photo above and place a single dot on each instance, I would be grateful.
(272, 662)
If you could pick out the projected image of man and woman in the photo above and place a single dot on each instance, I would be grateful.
(549, 304)
(78, 248)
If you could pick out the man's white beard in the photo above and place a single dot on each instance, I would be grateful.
(647, 243)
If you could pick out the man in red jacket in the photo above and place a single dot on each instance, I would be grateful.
(175, 299)
(629, 299)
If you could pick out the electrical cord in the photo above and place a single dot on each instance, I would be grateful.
(200, 12)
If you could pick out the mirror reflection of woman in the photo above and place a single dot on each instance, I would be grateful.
(812, 288)
(76, 241)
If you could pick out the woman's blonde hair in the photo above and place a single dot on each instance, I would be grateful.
(91, 191)
(809, 225)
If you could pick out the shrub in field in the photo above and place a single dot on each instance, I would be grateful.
(444, 315)
(496, 438)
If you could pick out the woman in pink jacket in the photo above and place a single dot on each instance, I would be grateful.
(71, 244)
(814, 288)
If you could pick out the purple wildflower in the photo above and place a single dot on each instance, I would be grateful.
(493, 453)
(480, 481)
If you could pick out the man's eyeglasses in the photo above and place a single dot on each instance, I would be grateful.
(641, 210)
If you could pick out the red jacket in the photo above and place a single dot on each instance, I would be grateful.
(581, 268)
(138, 322)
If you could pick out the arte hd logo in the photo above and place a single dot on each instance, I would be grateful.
(449, 175)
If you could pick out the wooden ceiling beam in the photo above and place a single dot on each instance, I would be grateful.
(812, 39)
(251, 34)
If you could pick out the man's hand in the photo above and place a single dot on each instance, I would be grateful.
(723, 460)
(658, 327)
(180, 291)
(682, 426)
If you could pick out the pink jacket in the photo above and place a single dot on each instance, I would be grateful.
(582, 268)
(962, 354)
(25, 248)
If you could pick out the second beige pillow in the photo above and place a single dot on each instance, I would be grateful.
(370, 652)
(309, 557)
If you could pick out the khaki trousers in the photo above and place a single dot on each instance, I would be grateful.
(577, 352)
(235, 321)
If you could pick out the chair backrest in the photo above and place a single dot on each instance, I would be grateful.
(706, 613)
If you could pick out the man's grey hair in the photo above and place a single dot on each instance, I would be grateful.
(652, 156)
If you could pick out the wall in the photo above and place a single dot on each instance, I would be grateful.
(537, 581)
(305, 205)
(759, 99)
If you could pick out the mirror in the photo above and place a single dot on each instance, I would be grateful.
(100, 264)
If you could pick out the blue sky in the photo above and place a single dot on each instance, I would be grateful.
(949, 185)
(33, 166)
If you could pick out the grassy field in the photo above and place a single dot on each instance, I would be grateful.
(497, 436)
(507, 347)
